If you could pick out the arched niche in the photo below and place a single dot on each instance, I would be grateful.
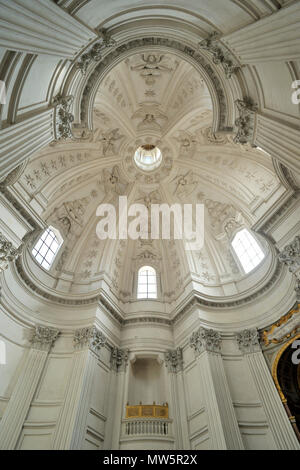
(286, 375)
(147, 380)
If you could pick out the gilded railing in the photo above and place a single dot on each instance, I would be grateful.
(147, 411)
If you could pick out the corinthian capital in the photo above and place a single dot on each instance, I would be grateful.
(119, 359)
(174, 360)
(220, 54)
(248, 341)
(205, 340)
(7, 252)
(43, 338)
(89, 337)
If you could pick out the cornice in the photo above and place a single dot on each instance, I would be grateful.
(279, 213)
(197, 301)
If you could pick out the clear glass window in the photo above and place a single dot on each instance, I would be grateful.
(147, 284)
(247, 250)
(46, 248)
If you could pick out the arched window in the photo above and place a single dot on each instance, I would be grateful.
(147, 285)
(247, 250)
(2, 352)
(47, 247)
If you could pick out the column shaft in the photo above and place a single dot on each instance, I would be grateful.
(223, 426)
(41, 27)
(276, 37)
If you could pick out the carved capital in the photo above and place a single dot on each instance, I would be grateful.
(7, 252)
(245, 122)
(205, 340)
(89, 337)
(248, 341)
(290, 255)
(174, 360)
(43, 338)
(95, 53)
(119, 359)
(220, 54)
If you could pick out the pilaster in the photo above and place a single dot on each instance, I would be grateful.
(276, 37)
(119, 362)
(18, 406)
(71, 427)
(174, 364)
(41, 27)
(222, 422)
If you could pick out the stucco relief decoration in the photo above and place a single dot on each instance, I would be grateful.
(69, 217)
(95, 53)
(290, 256)
(110, 141)
(113, 181)
(40, 171)
(220, 55)
(205, 340)
(119, 358)
(64, 117)
(7, 252)
(151, 66)
(188, 144)
(150, 117)
(185, 184)
(174, 360)
(43, 337)
(245, 122)
(248, 341)
(91, 337)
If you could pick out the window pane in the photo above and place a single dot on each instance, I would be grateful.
(248, 250)
(46, 248)
(147, 288)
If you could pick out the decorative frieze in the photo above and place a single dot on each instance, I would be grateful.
(248, 341)
(64, 116)
(174, 360)
(95, 53)
(89, 337)
(245, 121)
(43, 338)
(7, 252)
(205, 340)
(220, 55)
(119, 359)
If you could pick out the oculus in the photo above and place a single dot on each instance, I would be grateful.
(148, 157)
